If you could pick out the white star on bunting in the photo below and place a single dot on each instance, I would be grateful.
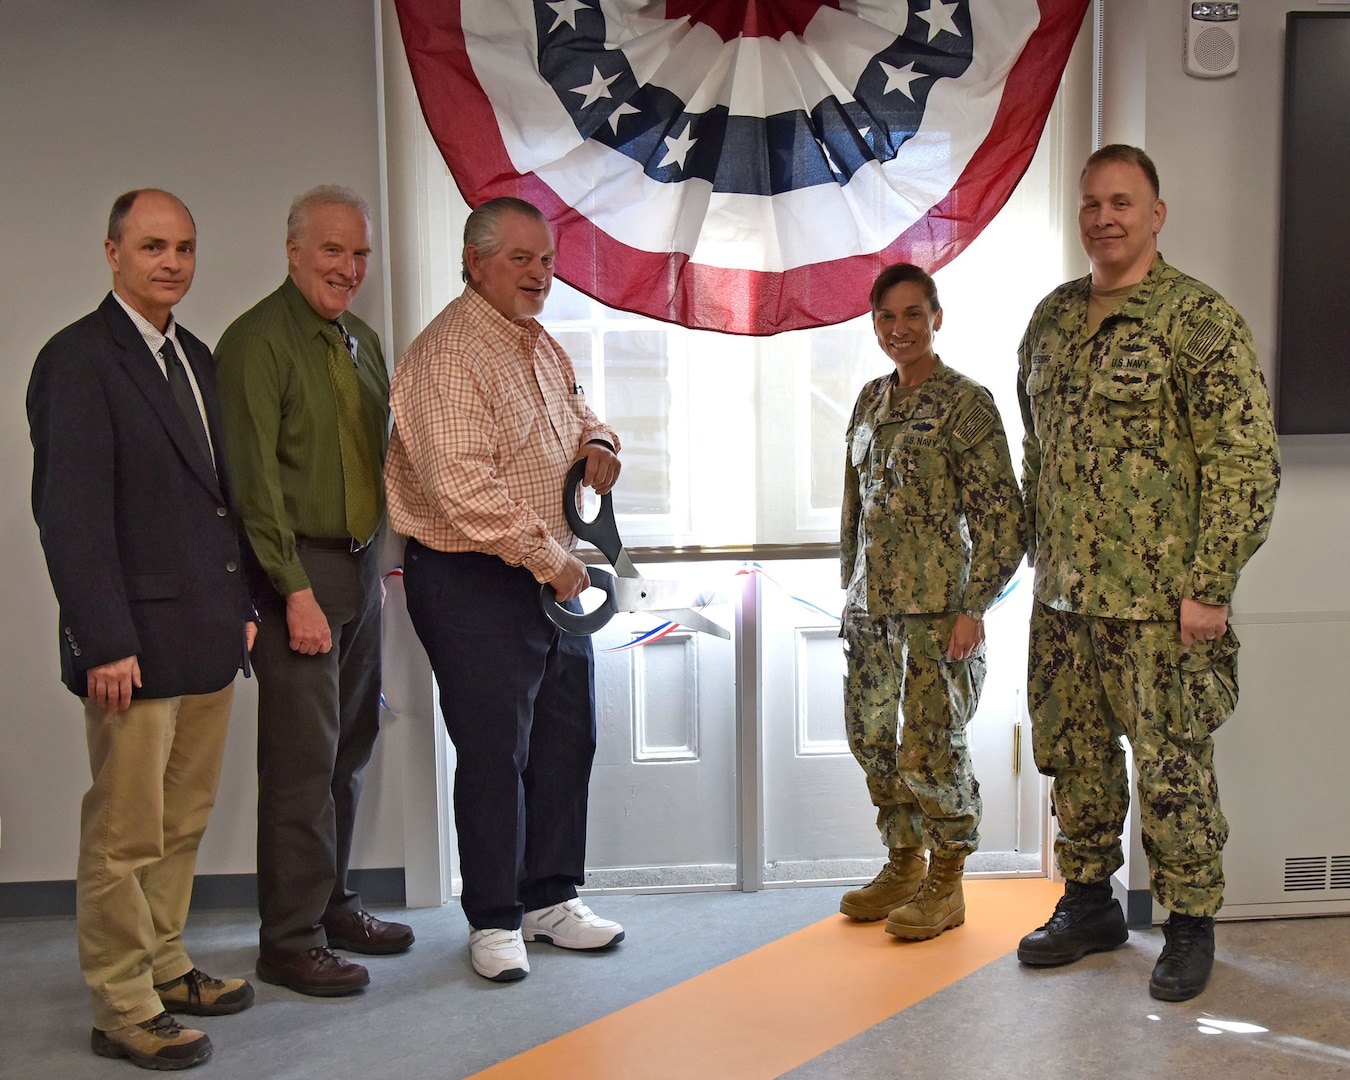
(677, 149)
(596, 89)
(566, 11)
(900, 78)
(621, 110)
(939, 17)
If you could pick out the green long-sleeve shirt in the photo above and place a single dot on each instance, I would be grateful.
(281, 431)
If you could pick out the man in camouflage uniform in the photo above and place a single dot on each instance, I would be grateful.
(932, 531)
(1149, 480)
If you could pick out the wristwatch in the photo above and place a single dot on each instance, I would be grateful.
(978, 616)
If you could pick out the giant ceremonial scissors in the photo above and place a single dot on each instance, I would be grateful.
(625, 589)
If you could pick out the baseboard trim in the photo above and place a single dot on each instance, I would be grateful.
(1138, 909)
(210, 892)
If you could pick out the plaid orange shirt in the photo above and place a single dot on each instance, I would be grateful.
(487, 421)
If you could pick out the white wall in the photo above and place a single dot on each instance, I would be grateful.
(1217, 144)
(236, 108)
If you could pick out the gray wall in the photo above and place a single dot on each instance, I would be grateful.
(236, 108)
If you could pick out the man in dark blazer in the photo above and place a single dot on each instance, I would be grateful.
(144, 557)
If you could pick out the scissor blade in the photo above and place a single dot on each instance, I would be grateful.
(644, 594)
(669, 599)
(693, 620)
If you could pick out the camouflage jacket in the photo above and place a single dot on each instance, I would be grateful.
(1150, 463)
(932, 518)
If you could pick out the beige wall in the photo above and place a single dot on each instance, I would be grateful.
(236, 108)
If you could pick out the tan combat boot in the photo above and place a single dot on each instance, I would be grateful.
(897, 883)
(939, 905)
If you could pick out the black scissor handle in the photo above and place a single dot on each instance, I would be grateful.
(602, 533)
(576, 622)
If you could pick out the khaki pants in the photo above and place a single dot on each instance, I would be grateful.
(155, 769)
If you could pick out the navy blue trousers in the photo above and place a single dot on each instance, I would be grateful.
(518, 697)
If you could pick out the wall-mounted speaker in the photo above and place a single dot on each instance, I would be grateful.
(1210, 46)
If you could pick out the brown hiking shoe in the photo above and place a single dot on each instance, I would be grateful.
(897, 883)
(939, 905)
(198, 994)
(159, 1043)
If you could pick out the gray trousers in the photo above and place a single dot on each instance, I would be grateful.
(318, 717)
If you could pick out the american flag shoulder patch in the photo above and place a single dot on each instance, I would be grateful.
(1205, 339)
(974, 425)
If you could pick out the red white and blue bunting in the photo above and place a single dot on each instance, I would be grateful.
(741, 165)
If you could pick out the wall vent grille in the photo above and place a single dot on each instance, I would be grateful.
(1340, 871)
(1307, 874)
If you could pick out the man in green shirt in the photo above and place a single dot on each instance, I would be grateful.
(305, 396)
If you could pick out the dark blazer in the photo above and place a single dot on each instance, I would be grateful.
(141, 544)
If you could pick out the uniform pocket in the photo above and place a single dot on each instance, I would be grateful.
(1209, 687)
(918, 480)
(1129, 403)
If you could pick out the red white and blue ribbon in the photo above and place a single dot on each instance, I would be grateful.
(755, 569)
(741, 165)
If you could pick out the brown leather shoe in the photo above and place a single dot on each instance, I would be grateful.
(318, 972)
(198, 994)
(361, 932)
(160, 1043)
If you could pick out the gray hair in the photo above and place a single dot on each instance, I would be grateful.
(323, 195)
(122, 205)
(482, 231)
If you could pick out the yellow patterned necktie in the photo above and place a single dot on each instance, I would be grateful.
(358, 473)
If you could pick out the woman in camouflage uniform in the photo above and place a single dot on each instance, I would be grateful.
(932, 531)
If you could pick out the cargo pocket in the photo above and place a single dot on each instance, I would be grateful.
(1209, 689)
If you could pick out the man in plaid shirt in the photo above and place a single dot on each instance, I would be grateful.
(488, 418)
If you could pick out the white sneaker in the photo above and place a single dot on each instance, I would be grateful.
(571, 925)
(498, 954)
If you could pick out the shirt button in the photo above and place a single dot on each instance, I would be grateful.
(231, 567)
(221, 511)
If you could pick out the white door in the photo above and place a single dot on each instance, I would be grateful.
(819, 821)
(664, 805)
(663, 789)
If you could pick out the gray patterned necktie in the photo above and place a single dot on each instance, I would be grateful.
(181, 387)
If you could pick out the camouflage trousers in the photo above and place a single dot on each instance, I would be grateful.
(906, 707)
(1089, 682)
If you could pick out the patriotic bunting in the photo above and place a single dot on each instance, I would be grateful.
(741, 165)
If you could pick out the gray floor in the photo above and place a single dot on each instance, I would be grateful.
(1278, 1004)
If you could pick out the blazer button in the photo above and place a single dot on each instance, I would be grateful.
(231, 567)
(76, 650)
(221, 511)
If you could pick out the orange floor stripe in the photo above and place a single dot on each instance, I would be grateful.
(771, 1010)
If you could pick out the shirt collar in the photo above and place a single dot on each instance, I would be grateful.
(148, 330)
(311, 323)
(498, 325)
